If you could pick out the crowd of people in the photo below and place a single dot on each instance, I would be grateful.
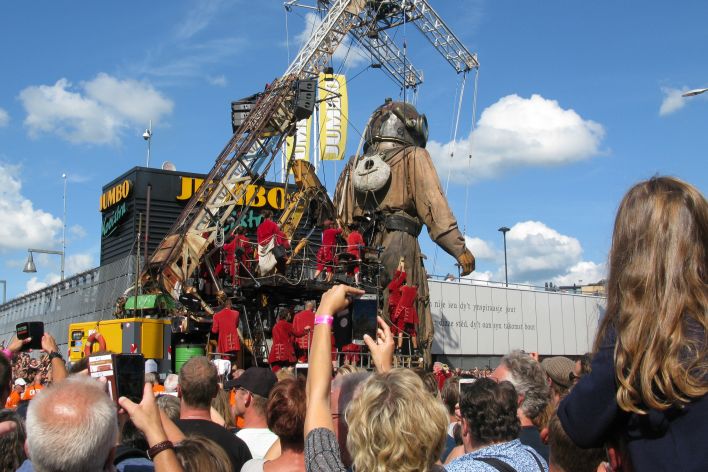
(636, 403)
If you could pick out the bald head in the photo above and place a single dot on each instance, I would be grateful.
(71, 425)
(309, 305)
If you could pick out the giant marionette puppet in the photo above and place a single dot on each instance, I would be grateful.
(391, 190)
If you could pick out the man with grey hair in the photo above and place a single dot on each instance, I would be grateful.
(529, 380)
(72, 425)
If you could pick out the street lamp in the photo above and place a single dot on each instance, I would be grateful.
(504, 230)
(30, 267)
(694, 92)
(147, 136)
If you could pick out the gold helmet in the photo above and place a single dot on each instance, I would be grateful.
(397, 122)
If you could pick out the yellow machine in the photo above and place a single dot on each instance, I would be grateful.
(150, 337)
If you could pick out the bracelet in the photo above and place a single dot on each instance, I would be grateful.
(158, 448)
(8, 354)
(324, 319)
(55, 355)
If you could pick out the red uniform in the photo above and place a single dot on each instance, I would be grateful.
(269, 229)
(325, 256)
(406, 316)
(300, 321)
(282, 351)
(226, 325)
(240, 241)
(354, 243)
(394, 294)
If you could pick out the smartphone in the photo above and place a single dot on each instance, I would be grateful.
(30, 329)
(364, 312)
(464, 385)
(124, 373)
(301, 368)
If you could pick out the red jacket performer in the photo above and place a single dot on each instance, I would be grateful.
(225, 325)
(238, 248)
(325, 255)
(406, 317)
(269, 236)
(303, 322)
(282, 353)
(394, 293)
(355, 241)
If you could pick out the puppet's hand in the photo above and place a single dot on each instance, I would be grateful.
(466, 261)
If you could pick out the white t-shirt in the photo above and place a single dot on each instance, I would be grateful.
(258, 440)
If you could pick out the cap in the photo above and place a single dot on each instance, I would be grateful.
(150, 366)
(20, 381)
(258, 380)
(559, 368)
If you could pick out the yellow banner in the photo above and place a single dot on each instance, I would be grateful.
(333, 116)
(302, 143)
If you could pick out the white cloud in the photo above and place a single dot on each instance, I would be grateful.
(219, 80)
(4, 117)
(582, 273)
(80, 262)
(77, 231)
(96, 112)
(198, 18)
(354, 54)
(480, 248)
(516, 132)
(34, 284)
(23, 225)
(673, 101)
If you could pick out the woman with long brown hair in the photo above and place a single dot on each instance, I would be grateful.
(649, 376)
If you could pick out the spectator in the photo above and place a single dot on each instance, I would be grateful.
(153, 380)
(429, 380)
(567, 457)
(169, 405)
(220, 403)
(450, 396)
(529, 380)
(344, 386)
(649, 373)
(5, 378)
(391, 425)
(198, 384)
(12, 451)
(252, 390)
(32, 389)
(18, 388)
(559, 370)
(171, 382)
(57, 424)
(490, 431)
(199, 454)
(286, 418)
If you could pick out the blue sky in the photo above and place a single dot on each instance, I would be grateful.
(576, 101)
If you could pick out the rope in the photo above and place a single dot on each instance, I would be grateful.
(469, 158)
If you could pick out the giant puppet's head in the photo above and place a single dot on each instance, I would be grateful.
(396, 122)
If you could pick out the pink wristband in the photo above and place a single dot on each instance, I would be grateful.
(324, 319)
(8, 354)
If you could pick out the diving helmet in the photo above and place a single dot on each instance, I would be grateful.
(397, 122)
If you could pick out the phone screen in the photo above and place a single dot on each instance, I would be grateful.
(364, 311)
(130, 370)
(30, 329)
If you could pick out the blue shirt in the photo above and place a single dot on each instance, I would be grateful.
(514, 453)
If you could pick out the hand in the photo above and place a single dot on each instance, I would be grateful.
(308, 328)
(145, 415)
(49, 344)
(17, 344)
(336, 299)
(382, 348)
(534, 356)
(466, 261)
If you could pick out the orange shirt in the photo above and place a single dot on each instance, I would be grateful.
(31, 391)
(13, 400)
(157, 388)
